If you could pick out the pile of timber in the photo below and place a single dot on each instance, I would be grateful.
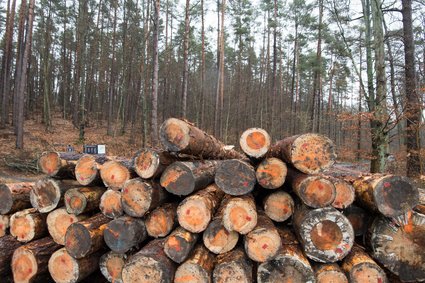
(199, 211)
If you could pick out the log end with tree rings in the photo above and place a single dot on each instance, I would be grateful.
(345, 193)
(400, 249)
(240, 214)
(190, 272)
(138, 197)
(110, 204)
(27, 225)
(233, 267)
(146, 163)
(174, 134)
(50, 163)
(395, 195)
(58, 222)
(179, 244)
(217, 239)
(24, 265)
(86, 170)
(111, 265)
(271, 173)
(279, 206)
(46, 195)
(325, 233)
(75, 201)
(114, 174)
(316, 191)
(328, 273)
(235, 177)
(312, 153)
(124, 233)
(161, 221)
(178, 179)
(255, 142)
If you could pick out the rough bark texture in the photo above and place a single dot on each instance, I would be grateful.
(139, 197)
(58, 222)
(390, 195)
(239, 213)
(315, 191)
(233, 267)
(65, 269)
(4, 224)
(279, 206)
(86, 237)
(184, 178)
(255, 142)
(162, 220)
(149, 265)
(289, 264)
(110, 204)
(83, 200)
(87, 169)
(361, 268)
(217, 239)
(326, 235)
(235, 177)
(195, 212)
(180, 136)
(263, 242)
(271, 173)
(29, 262)
(8, 244)
(179, 244)
(27, 225)
(124, 233)
(115, 173)
(197, 268)
(15, 197)
(58, 164)
(309, 153)
(400, 249)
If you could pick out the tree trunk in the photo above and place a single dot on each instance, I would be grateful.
(271, 173)
(115, 173)
(124, 233)
(150, 163)
(329, 273)
(185, 59)
(255, 142)
(60, 165)
(8, 244)
(359, 219)
(87, 169)
(217, 239)
(179, 244)
(233, 265)
(83, 200)
(239, 213)
(111, 265)
(28, 224)
(279, 206)
(235, 177)
(111, 204)
(345, 193)
(58, 222)
(162, 220)
(15, 197)
(154, 111)
(198, 267)
(4, 225)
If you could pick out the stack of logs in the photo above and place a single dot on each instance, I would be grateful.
(200, 211)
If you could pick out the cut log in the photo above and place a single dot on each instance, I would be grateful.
(329, 273)
(87, 170)
(83, 200)
(279, 206)
(15, 197)
(58, 164)
(345, 193)
(58, 222)
(48, 194)
(420, 208)
(27, 225)
(263, 242)
(180, 136)
(150, 163)
(255, 142)
(110, 204)
(4, 224)
(217, 239)
(195, 212)
(233, 267)
(326, 235)
(179, 244)
(29, 261)
(65, 269)
(289, 265)
(86, 237)
(361, 268)
(400, 249)
(115, 173)
(162, 220)
(235, 177)
(315, 191)
(184, 178)
(239, 214)
(111, 265)
(8, 244)
(124, 233)
(197, 268)
(139, 197)
(358, 218)
(390, 195)
(309, 153)
(149, 265)
(271, 173)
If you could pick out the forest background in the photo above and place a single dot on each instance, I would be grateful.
(93, 71)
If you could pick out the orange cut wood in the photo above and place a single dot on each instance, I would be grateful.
(255, 142)
(110, 204)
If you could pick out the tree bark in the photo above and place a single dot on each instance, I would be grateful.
(8, 245)
(15, 197)
(235, 177)
(124, 233)
(198, 267)
(179, 244)
(162, 220)
(233, 266)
